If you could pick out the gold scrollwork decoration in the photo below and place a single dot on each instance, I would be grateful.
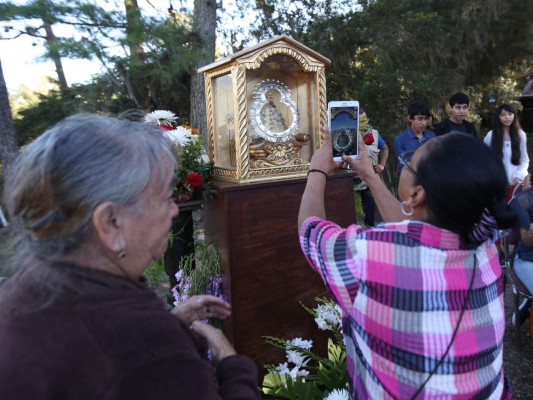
(276, 154)
(299, 170)
(220, 72)
(306, 63)
(323, 106)
(243, 158)
(210, 119)
(217, 171)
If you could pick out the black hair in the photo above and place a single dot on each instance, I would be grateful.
(458, 98)
(496, 142)
(459, 187)
(418, 108)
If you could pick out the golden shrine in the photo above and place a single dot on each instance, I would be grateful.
(265, 107)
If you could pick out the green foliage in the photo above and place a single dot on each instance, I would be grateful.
(192, 158)
(329, 372)
(156, 78)
(50, 109)
(56, 104)
(387, 53)
(201, 266)
(311, 376)
(286, 388)
(298, 17)
(157, 277)
(199, 273)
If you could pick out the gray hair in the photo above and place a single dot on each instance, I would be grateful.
(59, 179)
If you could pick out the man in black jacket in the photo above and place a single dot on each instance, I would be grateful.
(459, 103)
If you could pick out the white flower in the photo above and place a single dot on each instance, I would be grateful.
(160, 117)
(180, 136)
(283, 369)
(338, 394)
(328, 317)
(321, 323)
(304, 344)
(296, 372)
(297, 358)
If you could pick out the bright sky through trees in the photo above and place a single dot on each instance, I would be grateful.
(21, 67)
(20, 56)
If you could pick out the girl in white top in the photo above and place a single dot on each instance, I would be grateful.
(508, 141)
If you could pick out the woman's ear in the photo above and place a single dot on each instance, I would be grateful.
(108, 224)
(418, 196)
(417, 200)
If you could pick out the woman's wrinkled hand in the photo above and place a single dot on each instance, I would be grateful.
(218, 344)
(199, 308)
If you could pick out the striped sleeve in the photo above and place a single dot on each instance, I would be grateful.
(325, 246)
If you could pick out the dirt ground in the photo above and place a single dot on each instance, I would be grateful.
(517, 353)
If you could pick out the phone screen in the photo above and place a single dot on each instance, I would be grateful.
(344, 125)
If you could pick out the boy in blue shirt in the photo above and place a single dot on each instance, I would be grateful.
(416, 133)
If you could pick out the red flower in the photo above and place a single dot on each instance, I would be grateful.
(194, 179)
(195, 131)
(368, 138)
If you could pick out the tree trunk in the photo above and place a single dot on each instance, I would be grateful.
(8, 143)
(136, 78)
(205, 27)
(51, 40)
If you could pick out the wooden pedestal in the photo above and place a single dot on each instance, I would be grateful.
(254, 227)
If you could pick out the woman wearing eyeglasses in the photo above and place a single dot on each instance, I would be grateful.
(422, 293)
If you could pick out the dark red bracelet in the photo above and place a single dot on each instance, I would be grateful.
(317, 170)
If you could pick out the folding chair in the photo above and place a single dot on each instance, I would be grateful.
(520, 291)
(508, 243)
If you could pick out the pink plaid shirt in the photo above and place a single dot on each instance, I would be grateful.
(402, 287)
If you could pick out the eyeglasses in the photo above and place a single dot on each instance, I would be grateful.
(405, 160)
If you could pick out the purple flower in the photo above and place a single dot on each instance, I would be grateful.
(214, 286)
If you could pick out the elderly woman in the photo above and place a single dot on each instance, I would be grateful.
(422, 294)
(77, 320)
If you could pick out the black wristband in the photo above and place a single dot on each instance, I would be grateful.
(317, 170)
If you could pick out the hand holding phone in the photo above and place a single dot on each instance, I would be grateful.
(343, 123)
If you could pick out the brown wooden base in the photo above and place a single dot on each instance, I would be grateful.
(254, 227)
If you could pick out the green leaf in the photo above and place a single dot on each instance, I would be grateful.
(284, 387)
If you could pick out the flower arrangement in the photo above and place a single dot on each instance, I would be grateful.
(306, 375)
(199, 273)
(194, 168)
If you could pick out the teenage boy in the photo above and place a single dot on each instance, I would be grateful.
(459, 103)
(416, 133)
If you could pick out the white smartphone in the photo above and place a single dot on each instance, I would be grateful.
(343, 123)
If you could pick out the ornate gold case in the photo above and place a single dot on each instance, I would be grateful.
(265, 107)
